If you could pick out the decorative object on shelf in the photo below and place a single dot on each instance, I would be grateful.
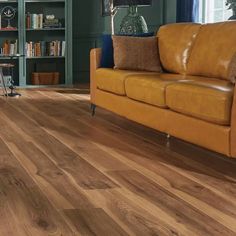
(45, 78)
(8, 13)
(231, 4)
(51, 22)
(133, 23)
(50, 17)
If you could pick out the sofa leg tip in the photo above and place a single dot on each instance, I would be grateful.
(93, 109)
(168, 136)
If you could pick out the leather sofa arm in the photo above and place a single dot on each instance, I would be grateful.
(233, 127)
(95, 63)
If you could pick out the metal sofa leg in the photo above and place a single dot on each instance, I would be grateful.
(93, 109)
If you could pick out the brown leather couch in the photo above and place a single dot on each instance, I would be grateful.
(193, 99)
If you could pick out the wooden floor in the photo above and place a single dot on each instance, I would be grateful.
(63, 172)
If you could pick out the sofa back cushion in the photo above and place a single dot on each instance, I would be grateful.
(214, 52)
(175, 45)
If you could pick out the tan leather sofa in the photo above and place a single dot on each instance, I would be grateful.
(193, 99)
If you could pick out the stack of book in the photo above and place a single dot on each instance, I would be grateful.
(43, 48)
(34, 21)
(9, 48)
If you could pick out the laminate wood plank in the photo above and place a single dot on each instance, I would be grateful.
(135, 215)
(214, 213)
(84, 174)
(153, 137)
(152, 156)
(183, 212)
(32, 213)
(194, 153)
(94, 222)
(152, 189)
(8, 223)
(214, 160)
(72, 135)
(207, 199)
(208, 175)
(60, 190)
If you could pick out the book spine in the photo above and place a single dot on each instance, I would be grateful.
(63, 48)
(28, 20)
(11, 51)
(34, 21)
(41, 21)
(16, 47)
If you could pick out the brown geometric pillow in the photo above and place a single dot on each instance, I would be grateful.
(135, 53)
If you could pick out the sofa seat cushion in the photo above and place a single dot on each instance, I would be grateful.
(208, 100)
(150, 88)
(111, 80)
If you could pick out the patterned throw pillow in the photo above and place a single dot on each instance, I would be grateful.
(107, 60)
(132, 53)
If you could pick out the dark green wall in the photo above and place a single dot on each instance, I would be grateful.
(88, 26)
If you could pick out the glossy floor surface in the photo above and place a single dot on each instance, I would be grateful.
(64, 172)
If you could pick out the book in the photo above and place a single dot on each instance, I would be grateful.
(9, 48)
(34, 21)
(54, 48)
(63, 50)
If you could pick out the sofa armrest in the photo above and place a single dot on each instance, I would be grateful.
(233, 127)
(95, 63)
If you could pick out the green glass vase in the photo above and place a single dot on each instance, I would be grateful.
(133, 23)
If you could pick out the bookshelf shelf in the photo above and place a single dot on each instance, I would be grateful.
(57, 35)
(36, 1)
(47, 29)
(45, 57)
(8, 58)
(8, 30)
(8, 1)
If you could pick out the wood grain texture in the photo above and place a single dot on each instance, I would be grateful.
(64, 172)
(94, 222)
(24, 208)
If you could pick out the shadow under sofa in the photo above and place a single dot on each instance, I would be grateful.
(191, 100)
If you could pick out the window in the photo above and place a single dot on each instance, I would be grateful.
(213, 11)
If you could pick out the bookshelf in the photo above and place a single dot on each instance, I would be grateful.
(45, 44)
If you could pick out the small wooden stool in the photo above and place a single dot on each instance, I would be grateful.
(2, 81)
